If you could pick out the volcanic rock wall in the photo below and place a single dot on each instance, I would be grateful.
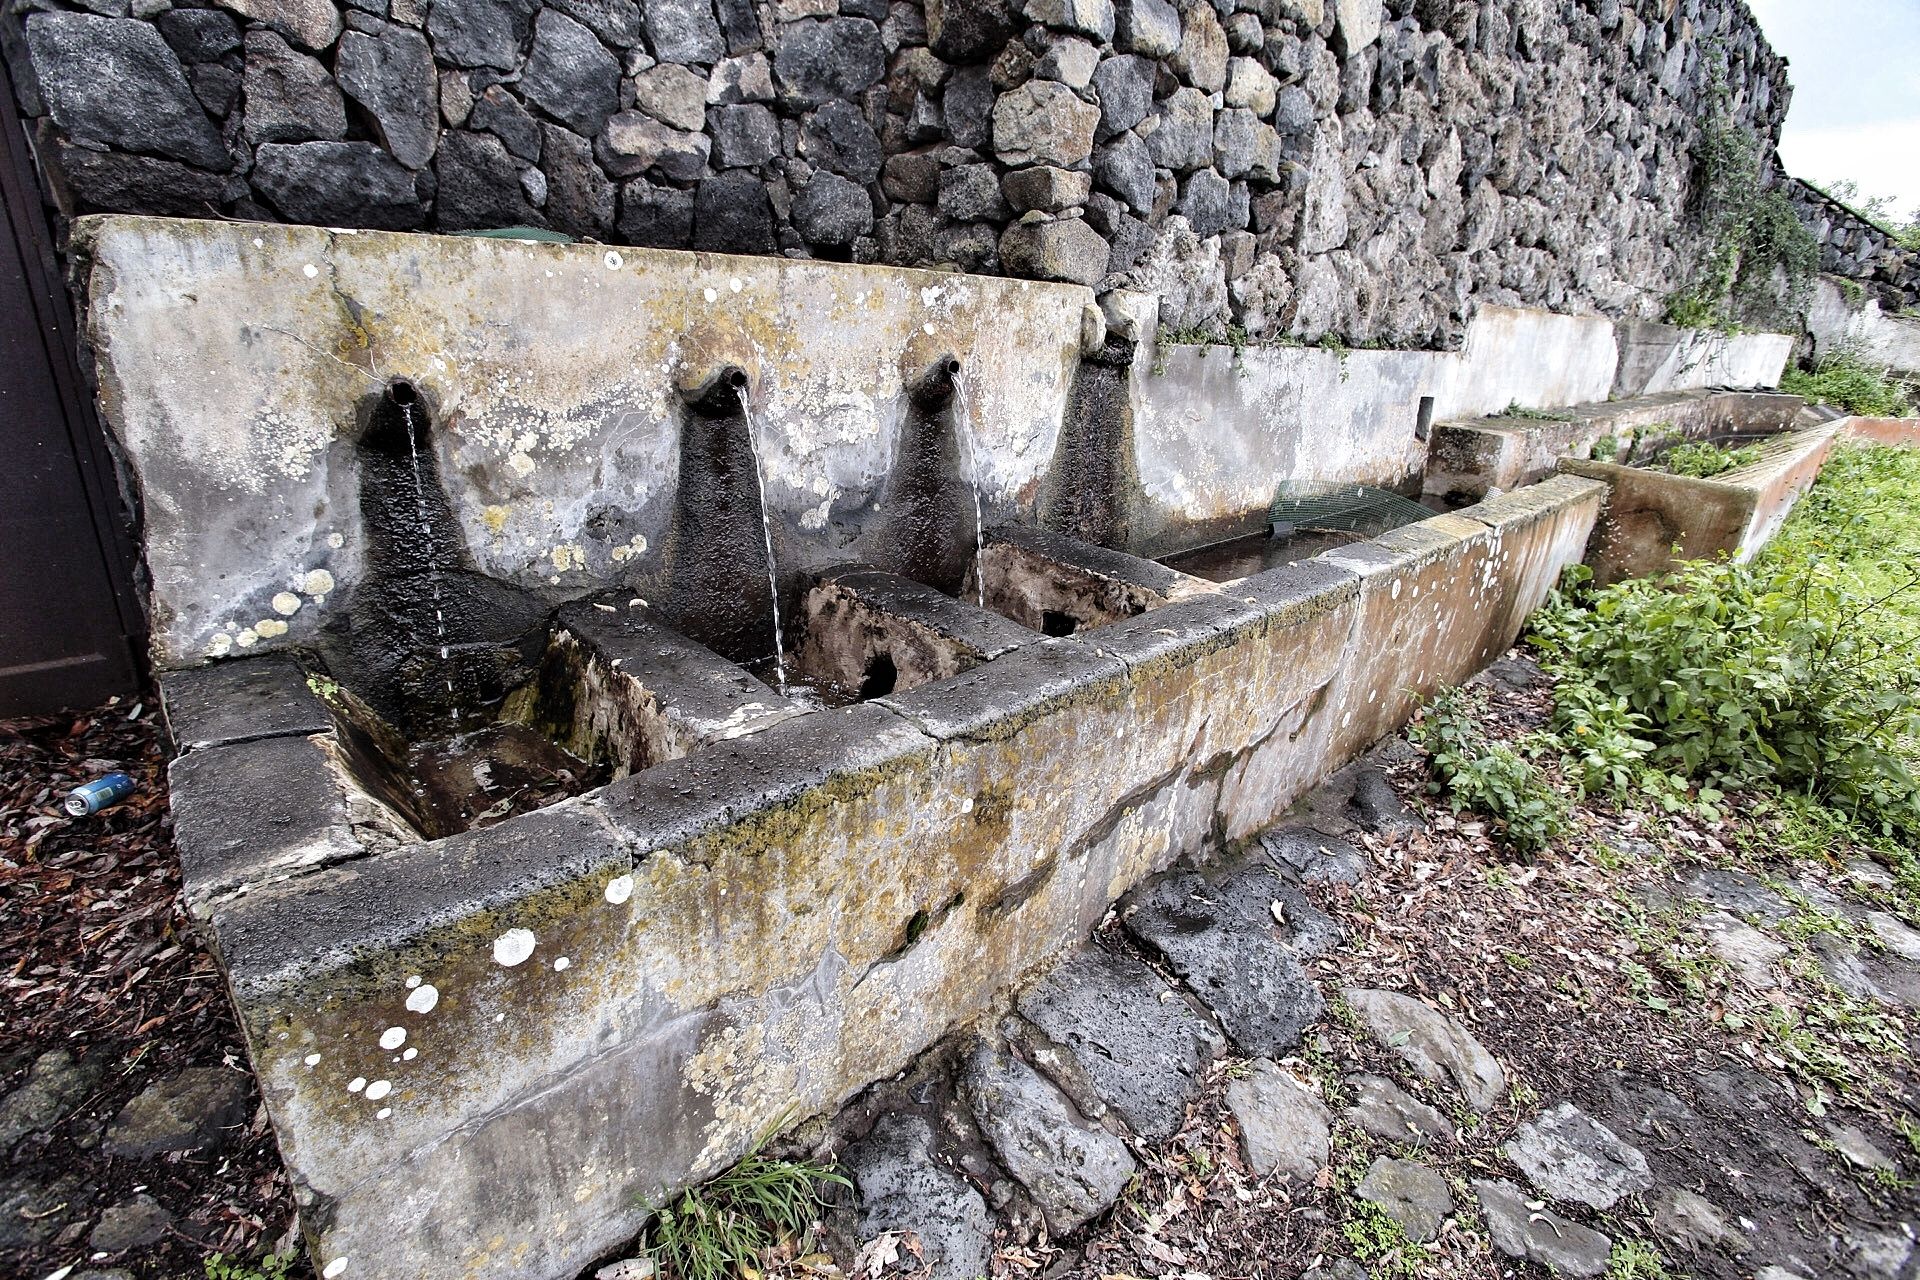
(1364, 168)
(1853, 248)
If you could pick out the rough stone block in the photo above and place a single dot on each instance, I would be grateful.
(227, 702)
(1047, 189)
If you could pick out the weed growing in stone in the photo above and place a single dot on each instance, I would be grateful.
(1515, 410)
(723, 1228)
(1703, 459)
(1636, 1260)
(1476, 773)
(273, 1266)
(1378, 1241)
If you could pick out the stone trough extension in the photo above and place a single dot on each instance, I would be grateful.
(485, 1054)
(1471, 459)
(1654, 520)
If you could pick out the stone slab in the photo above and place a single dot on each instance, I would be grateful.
(263, 697)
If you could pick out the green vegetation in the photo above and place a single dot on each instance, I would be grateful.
(1514, 410)
(1757, 260)
(721, 1229)
(1703, 458)
(1489, 777)
(1846, 383)
(1378, 1241)
(274, 1266)
(1636, 1260)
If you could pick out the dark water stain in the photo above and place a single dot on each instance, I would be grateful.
(927, 506)
(1093, 479)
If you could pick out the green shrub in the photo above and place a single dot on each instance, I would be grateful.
(1703, 458)
(1491, 778)
(274, 1266)
(1743, 677)
(1846, 383)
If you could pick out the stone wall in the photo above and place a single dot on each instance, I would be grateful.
(1370, 168)
(1856, 249)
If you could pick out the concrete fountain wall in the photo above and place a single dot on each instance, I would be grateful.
(486, 1054)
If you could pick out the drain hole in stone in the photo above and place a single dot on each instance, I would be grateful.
(880, 678)
(1053, 622)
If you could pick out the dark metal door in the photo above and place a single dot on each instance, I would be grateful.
(66, 610)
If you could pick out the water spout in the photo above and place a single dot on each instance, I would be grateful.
(936, 384)
(720, 394)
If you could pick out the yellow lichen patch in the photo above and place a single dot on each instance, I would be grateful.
(495, 518)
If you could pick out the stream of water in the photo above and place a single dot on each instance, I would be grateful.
(963, 421)
(766, 531)
(426, 535)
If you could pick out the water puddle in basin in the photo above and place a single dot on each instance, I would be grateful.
(1256, 553)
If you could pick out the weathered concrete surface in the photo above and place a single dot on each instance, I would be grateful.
(873, 633)
(232, 358)
(1483, 456)
(619, 993)
(1894, 431)
(1654, 520)
(1658, 357)
(1861, 328)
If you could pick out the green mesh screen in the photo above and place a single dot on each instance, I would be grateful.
(1359, 508)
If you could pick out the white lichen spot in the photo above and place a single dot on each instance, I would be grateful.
(413, 981)
(312, 1060)
(247, 638)
(614, 261)
(422, 999)
(966, 806)
(336, 540)
(334, 1268)
(1395, 593)
(286, 604)
(319, 582)
(619, 889)
(379, 1089)
(736, 284)
(220, 646)
(269, 628)
(356, 1084)
(520, 464)
(562, 965)
(383, 1113)
(710, 295)
(258, 243)
(927, 328)
(309, 271)
(393, 1037)
(410, 1054)
(513, 947)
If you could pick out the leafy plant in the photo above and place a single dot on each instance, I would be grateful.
(722, 1228)
(1378, 1241)
(1791, 673)
(1847, 383)
(273, 1266)
(1703, 458)
(1474, 772)
(1636, 1260)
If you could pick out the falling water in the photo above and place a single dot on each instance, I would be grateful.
(963, 422)
(426, 536)
(766, 531)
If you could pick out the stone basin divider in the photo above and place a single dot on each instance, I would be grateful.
(487, 1055)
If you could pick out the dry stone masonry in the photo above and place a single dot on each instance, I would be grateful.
(1373, 169)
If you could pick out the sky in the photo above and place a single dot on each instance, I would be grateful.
(1855, 70)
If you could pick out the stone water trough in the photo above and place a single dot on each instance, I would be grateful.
(1654, 520)
(628, 700)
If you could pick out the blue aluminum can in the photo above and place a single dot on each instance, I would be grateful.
(98, 794)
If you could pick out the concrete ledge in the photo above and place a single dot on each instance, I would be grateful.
(617, 994)
(267, 697)
(1482, 457)
(1654, 520)
(1894, 431)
